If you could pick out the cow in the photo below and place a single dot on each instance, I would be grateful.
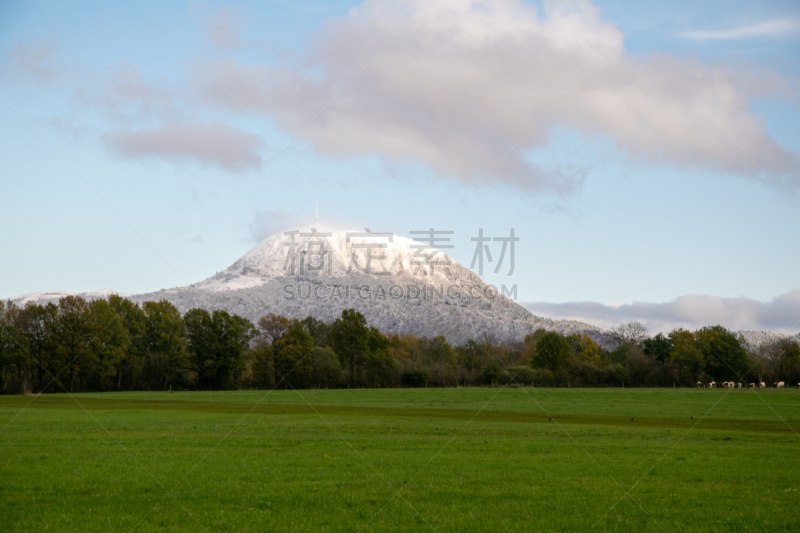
(774, 384)
(751, 386)
(798, 385)
(738, 385)
(699, 384)
(761, 385)
(712, 385)
(780, 384)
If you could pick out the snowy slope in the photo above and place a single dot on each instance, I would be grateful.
(400, 285)
(54, 296)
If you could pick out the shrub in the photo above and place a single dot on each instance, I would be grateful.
(523, 375)
(415, 378)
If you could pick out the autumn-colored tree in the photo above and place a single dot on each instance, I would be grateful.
(585, 348)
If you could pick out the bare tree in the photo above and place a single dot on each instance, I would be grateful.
(632, 333)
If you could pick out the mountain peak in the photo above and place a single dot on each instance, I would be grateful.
(323, 252)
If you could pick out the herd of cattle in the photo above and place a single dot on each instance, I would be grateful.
(732, 385)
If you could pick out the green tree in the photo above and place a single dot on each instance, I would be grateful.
(107, 347)
(13, 352)
(135, 323)
(199, 332)
(290, 351)
(378, 360)
(317, 329)
(552, 352)
(72, 338)
(723, 354)
(37, 323)
(217, 343)
(439, 351)
(659, 348)
(350, 340)
(327, 371)
(687, 355)
(473, 356)
(789, 361)
(167, 345)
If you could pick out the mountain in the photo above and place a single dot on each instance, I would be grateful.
(400, 285)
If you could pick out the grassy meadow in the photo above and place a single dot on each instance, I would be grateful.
(464, 459)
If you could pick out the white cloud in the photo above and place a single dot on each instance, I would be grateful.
(215, 144)
(782, 314)
(762, 29)
(467, 80)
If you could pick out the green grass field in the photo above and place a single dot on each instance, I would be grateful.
(468, 459)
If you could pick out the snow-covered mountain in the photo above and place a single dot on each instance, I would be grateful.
(399, 284)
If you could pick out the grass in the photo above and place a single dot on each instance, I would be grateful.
(465, 459)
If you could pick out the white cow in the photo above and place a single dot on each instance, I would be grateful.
(699, 385)
(712, 385)
(761, 385)
(780, 384)
(751, 386)
(738, 385)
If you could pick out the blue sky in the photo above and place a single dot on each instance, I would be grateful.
(622, 140)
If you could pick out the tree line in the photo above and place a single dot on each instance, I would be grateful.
(115, 344)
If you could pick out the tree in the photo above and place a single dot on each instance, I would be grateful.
(107, 347)
(263, 368)
(37, 323)
(789, 361)
(529, 344)
(686, 355)
(242, 333)
(13, 352)
(135, 323)
(290, 351)
(632, 333)
(72, 337)
(439, 351)
(658, 348)
(585, 348)
(724, 356)
(326, 368)
(271, 327)
(200, 335)
(552, 352)
(217, 343)
(167, 345)
(317, 329)
(350, 340)
(378, 360)
(473, 356)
